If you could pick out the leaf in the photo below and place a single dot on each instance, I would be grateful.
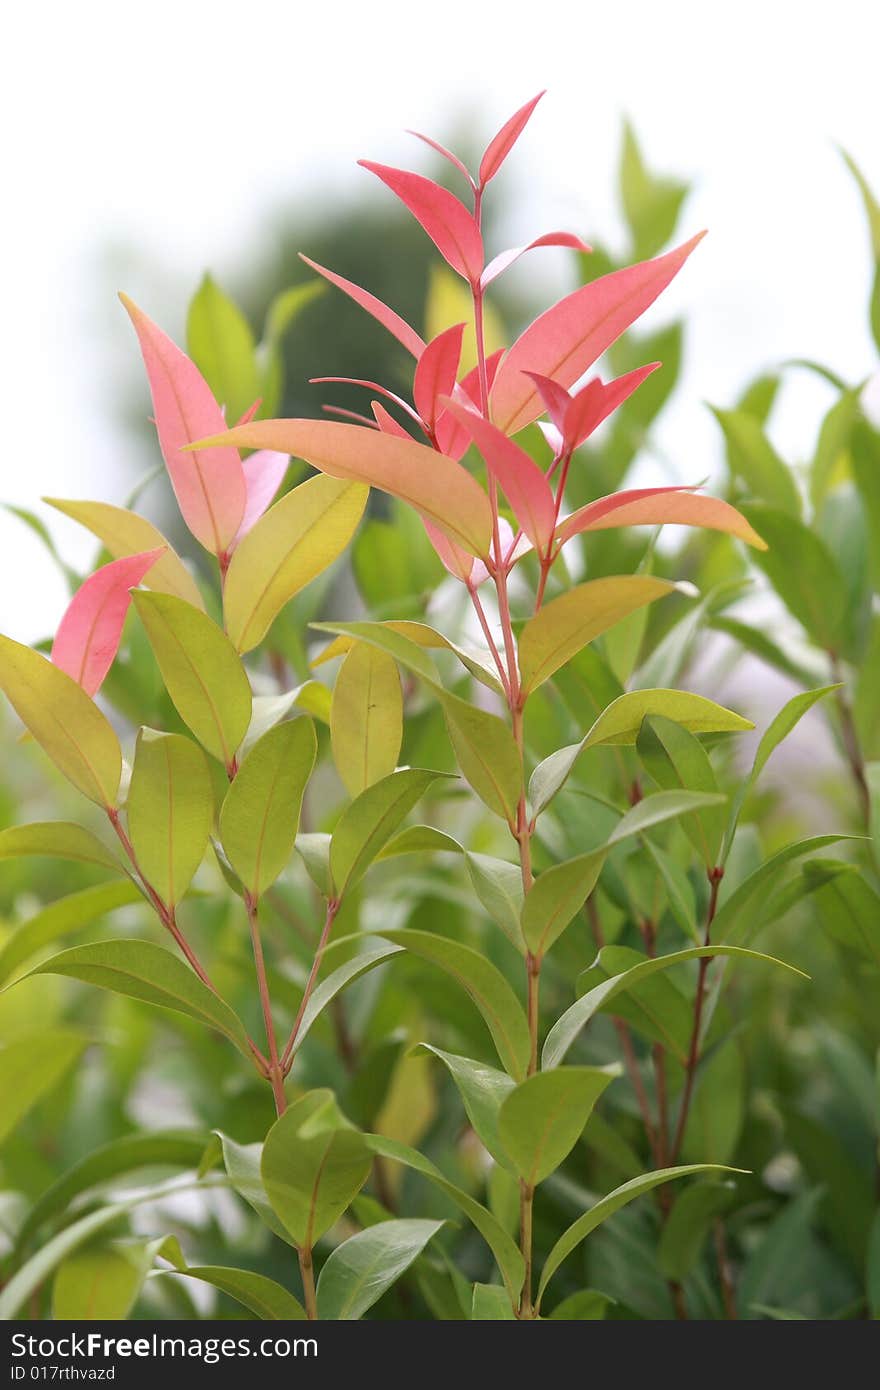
(688, 1225)
(751, 456)
(209, 486)
(524, 484)
(63, 719)
(202, 671)
(587, 1305)
(61, 918)
(659, 507)
(450, 226)
(259, 818)
(264, 472)
(730, 909)
(58, 839)
(803, 572)
(337, 980)
(387, 317)
(124, 533)
(568, 338)
(487, 754)
(510, 1261)
(366, 717)
(779, 728)
(491, 1304)
(436, 372)
(242, 1164)
(542, 1119)
(483, 1090)
(849, 906)
(448, 302)
(358, 1272)
(420, 839)
(438, 487)
(675, 758)
(500, 145)
(651, 205)
(558, 631)
(366, 826)
(620, 723)
(499, 887)
(655, 1007)
(221, 343)
(99, 1283)
(780, 1251)
(872, 207)
(567, 1027)
(607, 1206)
(89, 634)
(313, 1164)
(486, 986)
(141, 970)
(417, 634)
(170, 811)
(259, 1294)
(289, 546)
(505, 259)
(31, 1067)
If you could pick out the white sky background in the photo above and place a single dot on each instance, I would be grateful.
(180, 131)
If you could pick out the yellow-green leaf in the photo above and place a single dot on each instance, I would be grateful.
(260, 816)
(292, 543)
(202, 670)
(57, 839)
(542, 1119)
(64, 720)
(30, 1067)
(568, 623)
(314, 1163)
(170, 811)
(487, 753)
(366, 717)
(366, 826)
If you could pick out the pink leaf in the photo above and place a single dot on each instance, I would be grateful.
(452, 437)
(479, 573)
(209, 487)
(525, 486)
(387, 423)
(264, 473)
(567, 339)
(436, 486)
(371, 386)
(89, 633)
(460, 563)
(436, 372)
(471, 382)
(596, 402)
(447, 221)
(504, 259)
(387, 317)
(657, 506)
(349, 415)
(250, 412)
(555, 398)
(500, 146)
(447, 154)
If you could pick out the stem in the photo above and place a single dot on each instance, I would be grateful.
(715, 876)
(725, 1273)
(333, 906)
(487, 633)
(276, 1076)
(526, 1205)
(307, 1272)
(851, 744)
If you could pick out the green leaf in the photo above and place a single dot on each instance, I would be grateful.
(675, 758)
(588, 1305)
(292, 543)
(64, 720)
(259, 1294)
(803, 572)
(170, 811)
(61, 918)
(542, 1119)
(559, 630)
(778, 729)
(724, 927)
(141, 970)
(487, 754)
(486, 986)
(358, 1272)
(57, 839)
(366, 826)
(566, 1028)
(491, 1304)
(259, 818)
(833, 444)
(768, 1269)
(337, 980)
(607, 1206)
(654, 1006)
(499, 887)
(872, 207)
(314, 1163)
(221, 343)
(420, 839)
(482, 1089)
(202, 671)
(620, 724)
(242, 1164)
(366, 717)
(848, 905)
(751, 457)
(30, 1067)
(99, 1283)
(507, 1255)
(651, 205)
(873, 1267)
(688, 1224)
(418, 635)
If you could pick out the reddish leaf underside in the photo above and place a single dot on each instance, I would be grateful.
(447, 221)
(89, 634)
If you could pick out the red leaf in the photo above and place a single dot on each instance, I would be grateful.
(447, 154)
(209, 487)
(250, 412)
(387, 317)
(447, 221)
(500, 146)
(436, 372)
(436, 486)
(596, 402)
(89, 633)
(371, 386)
(525, 486)
(567, 339)
(555, 398)
(504, 259)
(387, 423)
(657, 506)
